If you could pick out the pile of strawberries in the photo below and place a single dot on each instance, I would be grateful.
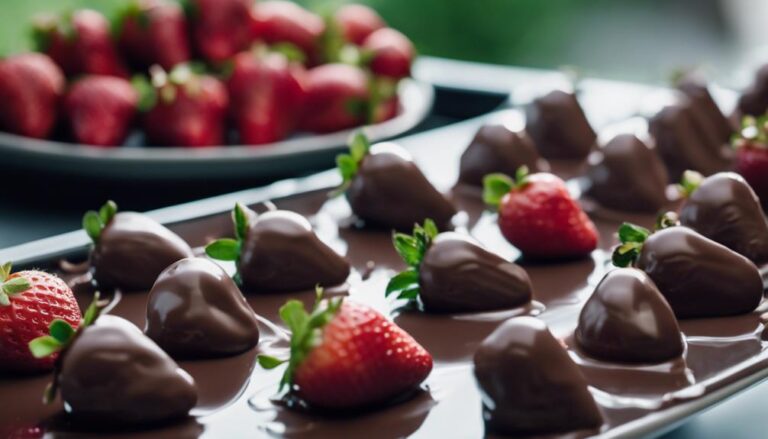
(203, 73)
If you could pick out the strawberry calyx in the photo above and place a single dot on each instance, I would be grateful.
(632, 237)
(690, 181)
(95, 222)
(349, 164)
(44, 26)
(61, 337)
(753, 133)
(306, 333)
(166, 85)
(10, 287)
(228, 249)
(496, 186)
(133, 10)
(411, 249)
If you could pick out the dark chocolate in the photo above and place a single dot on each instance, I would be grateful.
(114, 375)
(282, 253)
(724, 208)
(390, 191)
(529, 383)
(458, 275)
(754, 100)
(558, 126)
(627, 175)
(696, 89)
(195, 310)
(496, 148)
(132, 251)
(628, 320)
(698, 276)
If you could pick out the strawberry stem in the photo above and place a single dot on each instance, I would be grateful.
(349, 164)
(753, 133)
(227, 249)
(411, 249)
(95, 222)
(632, 238)
(10, 287)
(690, 181)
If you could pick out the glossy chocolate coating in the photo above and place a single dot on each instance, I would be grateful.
(390, 191)
(132, 251)
(724, 208)
(529, 383)
(458, 275)
(114, 375)
(627, 175)
(282, 253)
(695, 88)
(698, 276)
(195, 310)
(754, 100)
(496, 148)
(686, 139)
(628, 320)
(558, 126)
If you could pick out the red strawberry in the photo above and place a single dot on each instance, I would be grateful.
(337, 98)
(539, 217)
(154, 32)
(80, 43)
(29, 302)
(190, 109)
(357, 22)
(386, 109)
(346, 355)
(752, 155)
(268, 95)
(100, 109)
(220, 28)
(391, 53)
(279, 21)
(30, 88)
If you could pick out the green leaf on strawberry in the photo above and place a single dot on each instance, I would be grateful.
(227, 249)
(496, 186)
(690, 181)
(753, 132)
(632, 238)
(348, 164)
(94, 222)
(12, 286)
(411, 249)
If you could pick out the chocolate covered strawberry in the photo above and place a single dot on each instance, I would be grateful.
(107, 356)
(267, 92)
(31, 86)
(220, 28)
(278, 251)
(29, 302)
(337, 98)
(345, 355)
(279, 22)
(752, 154)
(189, 109)
(100, 110)
(450, 272)
(390, 53)
(153, 32)
(357, 21)
(539, 217)
(385, 188)
(80, 43)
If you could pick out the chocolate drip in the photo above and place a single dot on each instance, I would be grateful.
(529, 383)
(698, 276)
(695, 88)
(282, 253)
(724, 208)
(132, 251)
(390, 191)
(627, 175)
(114, 375)
(458, 275)
(558, 126)
(496, 148)
(196, 310)
(628, 320)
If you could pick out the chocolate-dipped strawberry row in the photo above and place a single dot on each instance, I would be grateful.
(559, 128)
(278, 251)
(698, 276)
(385, 188)
(130, 249)
(110, 375)
(450, 272)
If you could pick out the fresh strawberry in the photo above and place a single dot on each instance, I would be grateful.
(338, 97)
(268, 95)
(391, 53)
(539, 217)
(29, 302)
(190, 109)
(357, 22)
(220, 28)
(279, 22)
(101, 109)
(79, 43)
(153, 32)
(30, 88)
(385, 110)
(752, 155)
(345, 355)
